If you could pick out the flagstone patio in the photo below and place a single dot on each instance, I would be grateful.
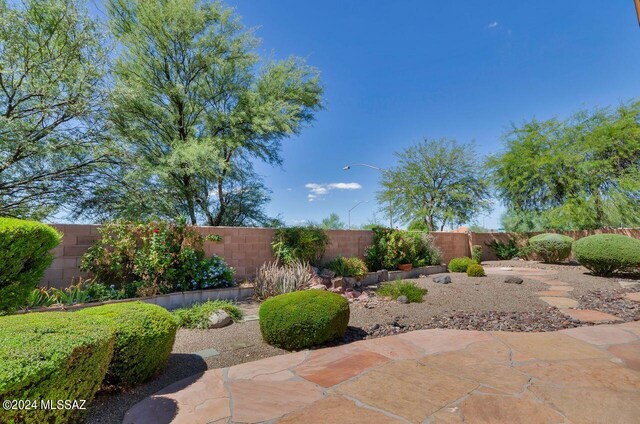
(580, 375)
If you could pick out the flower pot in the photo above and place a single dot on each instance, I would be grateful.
(405, 267)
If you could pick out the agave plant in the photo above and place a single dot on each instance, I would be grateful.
(273, 279)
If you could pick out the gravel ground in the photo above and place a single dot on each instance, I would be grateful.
(485, 303)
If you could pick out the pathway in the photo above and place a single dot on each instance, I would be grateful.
(580, 375)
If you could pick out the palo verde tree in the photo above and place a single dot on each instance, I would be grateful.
(51, 71)
(193, 105)
(578, 173)
(438, 181)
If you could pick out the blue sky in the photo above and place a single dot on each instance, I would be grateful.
(397, 71)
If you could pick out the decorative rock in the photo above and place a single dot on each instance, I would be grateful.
(443, 279)
(315, 280)
(338, 290)
(363, 296)
(403, 299)
(318, 287)
(350, 282)
(315, 271)
(219, 319)
(507, 268)
(327, 273)
(513, 280)
(338, 282)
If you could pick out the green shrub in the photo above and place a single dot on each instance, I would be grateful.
(144, 338)
(52, 356)
(299, 244)
(273, 279)
(391, 248)
(605, 254)
(551, 247)
(303, 319)
(476, 253)
(475, 270)
(348, 267)
(197, 315)
(395, 289)
(460, 264)
(505, 251)
(155, 257)
(25, 253)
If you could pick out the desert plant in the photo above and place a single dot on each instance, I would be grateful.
(51, 356)
(303, 319)
(391, 248)
(197, 315)
(144, 336)
(475, 270)
(348, 267)
(504, 251)
(460, 264)
(606, 254)
(40, 297)
(411, 290)
(273, 279)
(476, 253)
(551, 247)
(299, 244)
(25, 253)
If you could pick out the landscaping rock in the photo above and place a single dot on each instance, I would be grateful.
(315, 271)
(317, 287)
(316, 280)
(327, 273)
(338, 290)
(350, 282)
(443, 279)
(513, 280)
(402, 299)
(219, 319)
(338, 282)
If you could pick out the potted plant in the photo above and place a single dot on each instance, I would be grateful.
(405, 267)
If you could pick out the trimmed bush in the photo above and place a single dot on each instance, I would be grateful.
(396, 289)
(605, 254)
(551, 247)
(144, 338)
(460, 264)
(303, 319)
(476, 253)
(52, 356)
(348, 267)
(197, 315)
(25, 253)
(475, 270)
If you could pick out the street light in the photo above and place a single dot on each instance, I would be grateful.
(348, 167)
(357, 204)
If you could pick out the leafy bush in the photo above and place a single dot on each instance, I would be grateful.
(410, 289)
(273, 279)
(25, 253)
(504, 251)
(391, 248)
(52, 355)
(197, 315)
(303, 319)
(605, 254)
(475, 270)
(476, 253)
(144, 338)
(348, 267)
(299, 244)
(460, 264)
(153, 258)
(83, 292)
(551, 247)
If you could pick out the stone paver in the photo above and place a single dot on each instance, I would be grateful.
(560, 302)
(580, 375)
(633, 296)
(589, 315)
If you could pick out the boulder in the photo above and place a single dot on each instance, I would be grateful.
(513, 280)
(350, 282)
(402, 299)
(443, 279)
(338, 290)
(338, 282)
(317, 287)
(327, 273)
(315, 281)
(219, 319)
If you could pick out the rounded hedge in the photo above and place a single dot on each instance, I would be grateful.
(605, 254)
(551, 247)
(475, 270)
(52, 356)
(303, 319)
(460, 264)
(144, 339)
(25, 253)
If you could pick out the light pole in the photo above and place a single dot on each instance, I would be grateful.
(348, 167)
(357, 204)
(638, 10)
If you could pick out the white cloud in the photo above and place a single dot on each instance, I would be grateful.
(319, 190)
(493, 25)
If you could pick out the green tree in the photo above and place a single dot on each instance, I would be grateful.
(332, 222)
(193, 106)
(580, 173)
(438, 181)
(51, 72)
